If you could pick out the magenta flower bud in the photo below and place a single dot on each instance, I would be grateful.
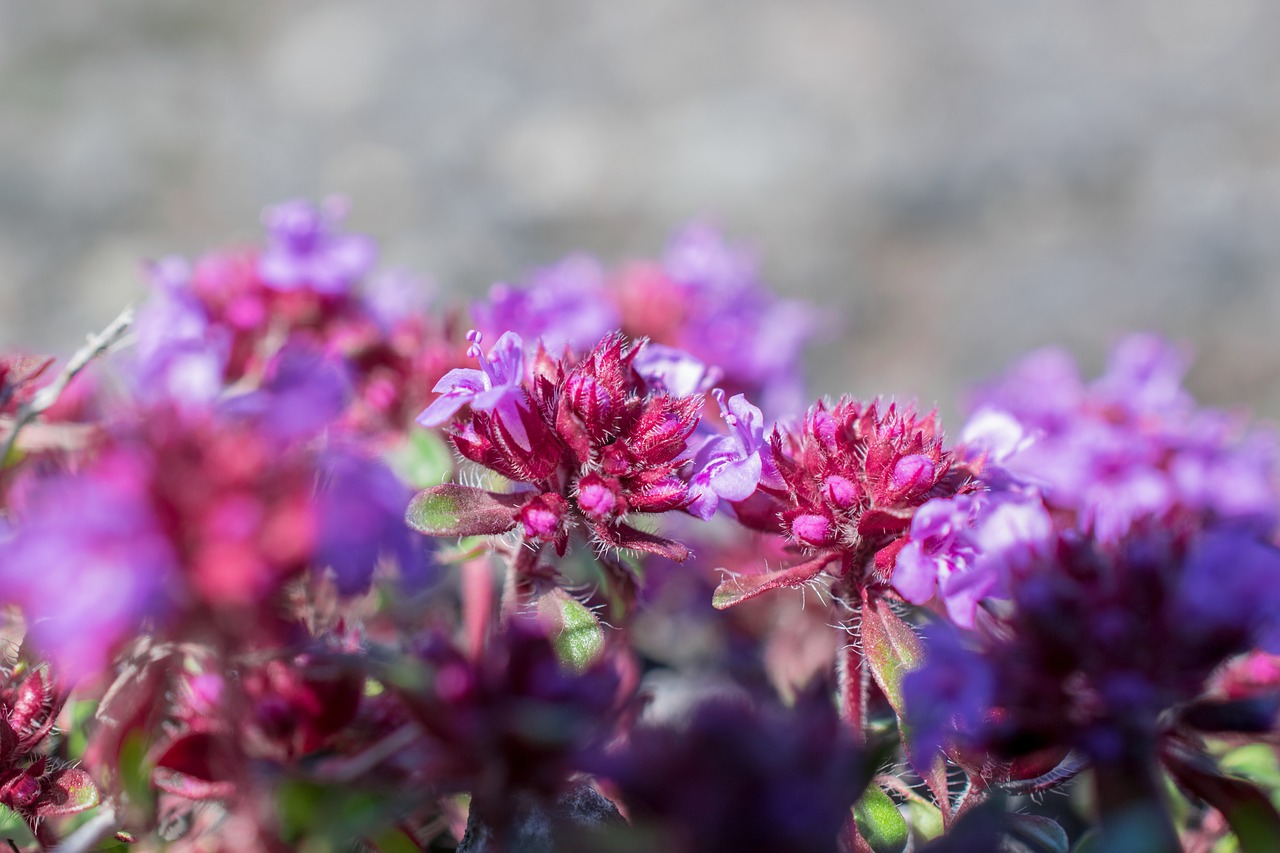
(812, 529)
(541, 517)
(840, 491)
(912, 473)
(596, 498)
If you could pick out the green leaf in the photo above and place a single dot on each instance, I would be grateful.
(742, 588)
(926, 819)
(1247, 808)
(578, 637)
(891, 647)
(72, 790)
(395, 840)
(453, 510)
(423, 460)
(880, 822)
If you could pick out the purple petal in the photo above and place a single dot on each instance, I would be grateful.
(736, 479)
(915, 576)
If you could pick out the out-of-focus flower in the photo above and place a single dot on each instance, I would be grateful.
(514, 722)
(1104, 646)
(305, 250)
(564, 305)
(89, 561)
(1132, 446)
(740, 777)
(707, 299)
(361, 521)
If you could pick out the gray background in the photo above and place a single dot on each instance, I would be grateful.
(962, 179)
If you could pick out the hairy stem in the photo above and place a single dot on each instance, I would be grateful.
(49, 394)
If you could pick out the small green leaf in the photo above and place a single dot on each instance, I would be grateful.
(395, 840)
(926, 819)
(578, 637)
(1249, 812)
(453, 510)
(891, 647)
(423, 460)
(71, 790)
(880, 822)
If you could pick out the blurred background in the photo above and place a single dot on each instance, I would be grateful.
(959, 181)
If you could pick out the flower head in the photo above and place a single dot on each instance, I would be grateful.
(305, 252)
(598, 443)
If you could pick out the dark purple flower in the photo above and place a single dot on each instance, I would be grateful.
(304, 250)
(741, 777)
(361, 520)
(304, 391)
(952, 691)
(495, 387)
(729, 467)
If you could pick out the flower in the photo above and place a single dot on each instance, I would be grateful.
(564, 305)
(707, 299)
(729, 467)
(360, 511)
(304, 252)
(850, 479)
(495, 387)
(741, 776)
(674, 370)
(89, 560)
(965, 549)
(599, 443)
(1131, 447)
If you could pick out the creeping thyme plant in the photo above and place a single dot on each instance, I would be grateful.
(297, 557)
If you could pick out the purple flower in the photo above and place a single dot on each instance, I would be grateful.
(729, 467)
(951, 692)
(566, 304)
(394, 296)
(305, 252)
(1144, 376)
(674, 371)
(88, 562)
(1129, 447)
(495, 387)
(179, 356)
(361, 512)
(939, 545)
(733, 322)
(304, 392)
(968, 547)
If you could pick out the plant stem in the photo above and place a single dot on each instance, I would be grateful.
(49, 394)
(1132, 811)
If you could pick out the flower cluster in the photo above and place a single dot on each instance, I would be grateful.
(216, 582)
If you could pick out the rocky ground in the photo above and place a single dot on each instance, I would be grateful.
(961, 180)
